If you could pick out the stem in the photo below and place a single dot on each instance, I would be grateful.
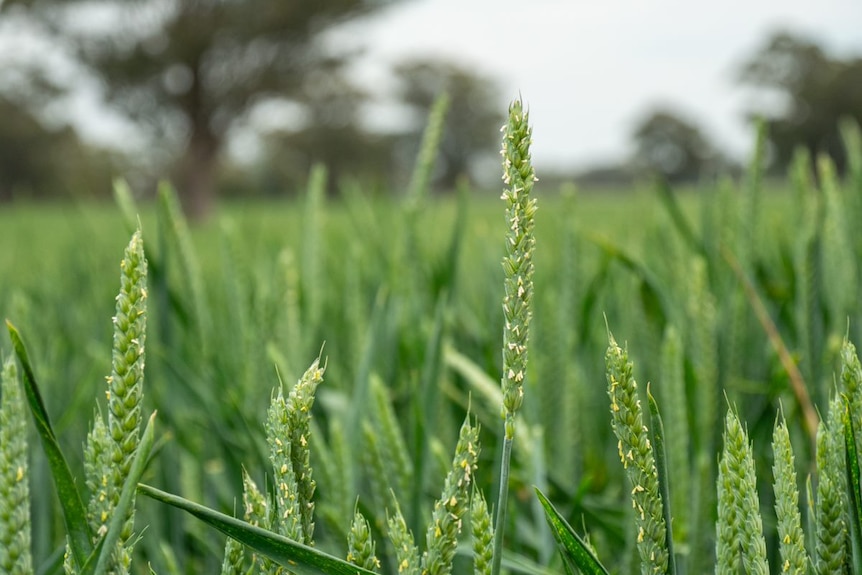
(810, 418)
(503, 496)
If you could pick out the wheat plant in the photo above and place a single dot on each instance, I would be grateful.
(100, 537)
(636, 455)
(15, 555)
(519, 177)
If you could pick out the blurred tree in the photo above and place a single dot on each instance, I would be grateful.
(816, 91)
(672, 147)
(472, 123)
(189, 70)
(39, 162)
(332, 134)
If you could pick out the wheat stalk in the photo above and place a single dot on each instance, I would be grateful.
(519, 177)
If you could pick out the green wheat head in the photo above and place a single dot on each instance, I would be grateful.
(97, 459)
(449, 510)
(703, 343)
(234, 558)
(125, 384)
(831, 519)
(287, 509)
(519, 176)
(483, 535)
(676, 430)
(15, 558)
(739, 531)
(258, 511)
(299, 403)
(794, 558)
(385, 452)
(397, 464)
(851, 383)
(418, 187)
(111, 446)
(361, 549)
(637, 458)
(291, 510)
(373, 460)
(839, 261)
(406, 552)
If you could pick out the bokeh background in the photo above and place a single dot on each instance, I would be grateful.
(240, 98)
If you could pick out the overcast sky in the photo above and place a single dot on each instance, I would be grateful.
(588, 70)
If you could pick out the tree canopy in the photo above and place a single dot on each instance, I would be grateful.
(816, 90)
(670, 146)
(473, 120)
(189, 70)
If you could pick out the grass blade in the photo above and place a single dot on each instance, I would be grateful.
(298, 558)
(797, 384)
(74, 513)
(97, 564)
(657, 438)
(126, 202)
(425, 413)
(855, 492)
(574, 550)
(654, 296)
(683, 227)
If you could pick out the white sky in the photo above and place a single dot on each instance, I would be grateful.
(588, 70)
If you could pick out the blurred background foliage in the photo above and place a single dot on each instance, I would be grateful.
(195, 80)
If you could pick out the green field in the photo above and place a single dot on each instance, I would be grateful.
(406, 308)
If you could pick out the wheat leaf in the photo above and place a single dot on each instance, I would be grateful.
(657, 437)
(74, 513)
(296, 557)
(855, 493)
(574, 550)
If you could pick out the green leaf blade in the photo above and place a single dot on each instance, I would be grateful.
(657, 437)
(574, 550)
(853, 483)
(74, 512)
(297, 557)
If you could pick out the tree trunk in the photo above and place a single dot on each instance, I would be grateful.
(197, 173)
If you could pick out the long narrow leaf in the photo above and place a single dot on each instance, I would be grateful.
(657, 437)
(54, 562)
(298, 558)
(573, 549)
(680, 222)
(425, 412)
(855, 493)
(74, 513)
(97, 564)
(652, 293)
